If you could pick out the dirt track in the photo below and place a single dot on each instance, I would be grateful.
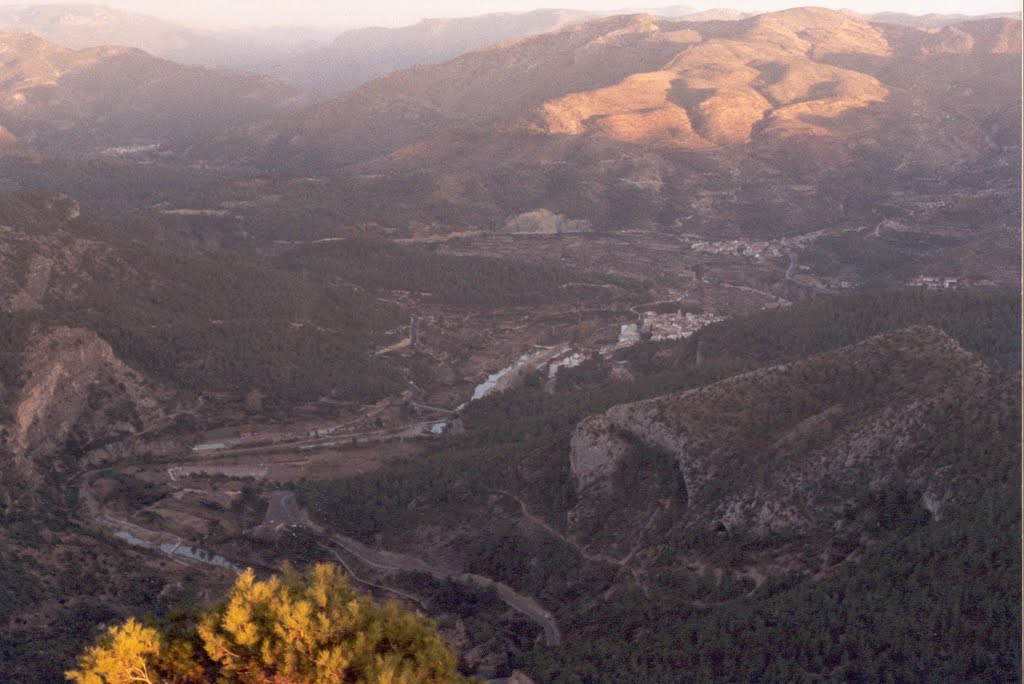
(390, 561)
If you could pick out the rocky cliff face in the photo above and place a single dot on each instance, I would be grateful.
(75, 395)
(40, 266)
(783, 451)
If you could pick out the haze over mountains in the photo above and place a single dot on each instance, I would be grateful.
(631, 121)
(820, 117)
(79, 26)
(359, 55)
(626, 347)
(320, 61)
(96, 99)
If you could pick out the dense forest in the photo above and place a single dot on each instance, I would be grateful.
(934, 604)
(460, 281)
(863, 622)
(228, 323)
(986, 321)
(529, 423)
(929, 601)
(206, 322)
(298, 326)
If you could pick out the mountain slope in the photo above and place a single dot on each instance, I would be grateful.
(642, 79)
(715, 91)
(218, 324)
(781, 124)
(778, 124)
(111, 97)
(786, 450)
(83, 26)
(844, 502)
(487, 86)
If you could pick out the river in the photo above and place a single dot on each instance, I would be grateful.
(178, 549)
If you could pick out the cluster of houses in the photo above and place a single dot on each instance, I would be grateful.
(658, 326)
(570, 359)
(935, 282)
(756, 249)
(674, 326)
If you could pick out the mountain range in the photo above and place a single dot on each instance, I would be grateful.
(78, 26)
(764, 127)
(118, 99)
(360, 55)
(771, 125)
(692, 86)
(751, 283)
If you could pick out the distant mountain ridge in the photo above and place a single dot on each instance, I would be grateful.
(641, 79)
(120, 98)
(360, 55)
(934, 21)
(78, 26)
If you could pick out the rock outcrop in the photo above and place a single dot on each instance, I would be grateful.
(544, 222)
(75, 394)
(784, 450)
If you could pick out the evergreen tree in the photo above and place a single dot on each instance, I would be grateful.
(122, 656)
(289, 628)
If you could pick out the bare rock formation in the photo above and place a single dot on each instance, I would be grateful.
(544, 222)
(75, 394)
(786, 450)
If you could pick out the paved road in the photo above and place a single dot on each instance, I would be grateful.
(523, 604)
(282, 509)
(792, 266)
(427, 407)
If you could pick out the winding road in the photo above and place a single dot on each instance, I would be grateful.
(389, 561)
(282, 509)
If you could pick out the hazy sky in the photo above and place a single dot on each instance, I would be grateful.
(400, 12)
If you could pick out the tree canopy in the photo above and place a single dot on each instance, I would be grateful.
(288, 629)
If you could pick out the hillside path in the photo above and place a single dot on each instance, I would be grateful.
(390, 561)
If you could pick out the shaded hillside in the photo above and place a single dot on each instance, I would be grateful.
(786, 450)
(523, 435)
(984, 321)
(456, 281)
(208, 323)
(118, 99)
(929, 597)
(719, 504)
(777, 124)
